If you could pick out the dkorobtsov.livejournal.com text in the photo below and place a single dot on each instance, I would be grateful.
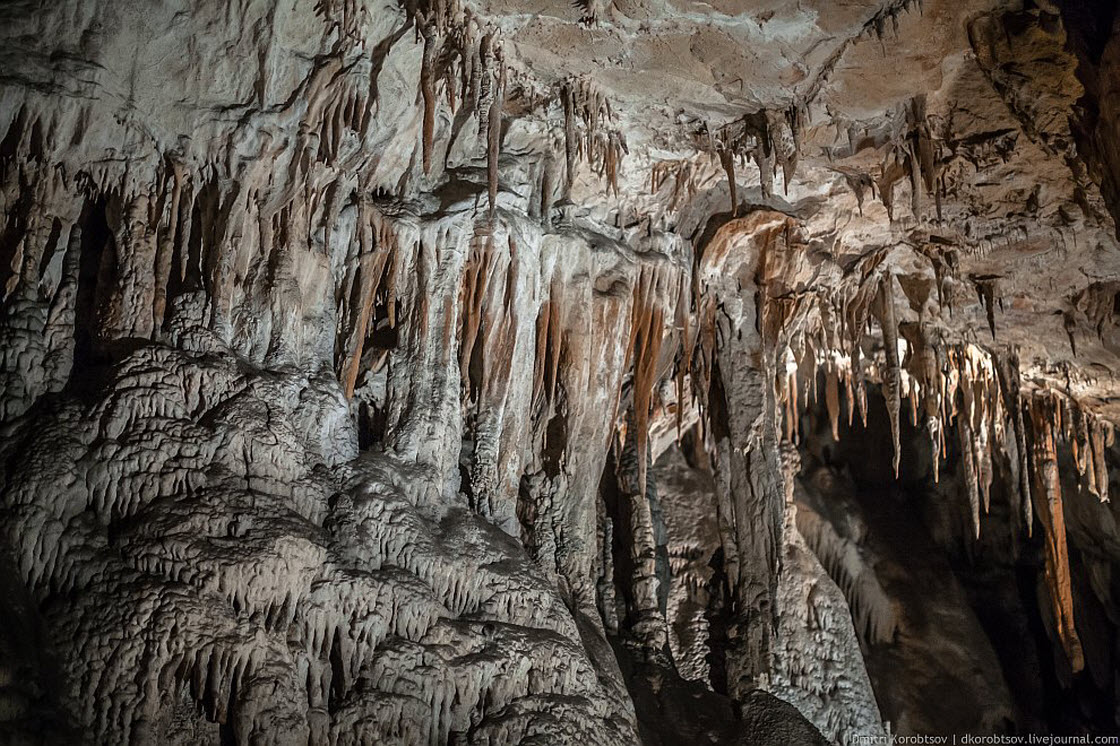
(968, 739)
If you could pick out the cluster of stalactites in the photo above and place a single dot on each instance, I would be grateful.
(1055, 417)
(683, 173)
(889, 14)
(772, 236)
(592, 10)
(658, 291)
(771, 138)
(1089, 436)
(832, 340)
(911, 155)
(589, 132)
(488, 329)
(978, 392)
(979, 415)
(463, 64)
(659, 338)
(965, 385)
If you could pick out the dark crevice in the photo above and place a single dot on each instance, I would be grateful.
(96, 254)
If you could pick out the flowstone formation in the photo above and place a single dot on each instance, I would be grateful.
(522, 372)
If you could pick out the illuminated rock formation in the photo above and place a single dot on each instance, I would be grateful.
(488, 371)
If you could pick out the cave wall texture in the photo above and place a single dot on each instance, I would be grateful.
(538, 372)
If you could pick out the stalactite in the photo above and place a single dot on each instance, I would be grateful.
(811, 363)
(937, 438)
(494, 136)
(483, 88)
(589, 133)
(1080, 447)
(1100, 438)
(1070, 326)
(981, 399)
(787, 394)
(922, 143)
(1044, 462)
(549, 342)
(1097, 303)
(860, 183)
(1089, 436)
(984, 472)
(546, 189)
(727, 160)
(475, 281)
(592, 10)
(891, 171)
(783, 128)
(428, 91)
(615, 149)
(986, 289)
(377, 242)
(914, 170)
(832, 400)
(762, 160)
(645, 342)
(1008, 370)
(861, 385)
(571, 145)
(970, 470)
(683, 322)
(166, 245)
(927, 400)
(892, 384)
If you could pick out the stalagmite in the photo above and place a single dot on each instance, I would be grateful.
(639, 492)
